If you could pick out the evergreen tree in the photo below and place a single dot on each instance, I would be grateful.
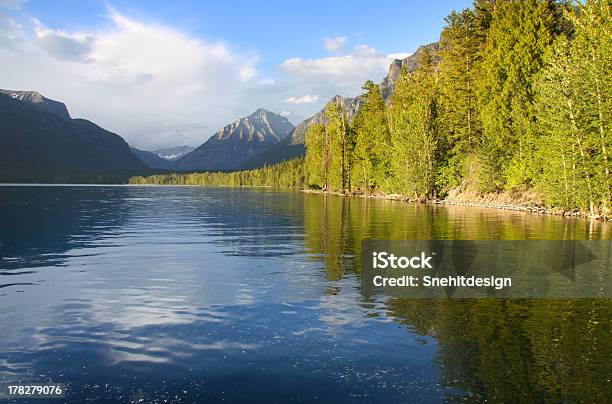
(592, 56)
(372, 141)
(317, 156)
(518, 37)
(461, 53)
(574, 113)
(288, 174)
(556, 143)
(337, 131)
(414, 124)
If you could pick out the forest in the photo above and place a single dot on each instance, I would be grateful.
(516, 96)
(288, 174)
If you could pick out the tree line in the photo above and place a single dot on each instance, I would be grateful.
(516, 95)
(288, 174)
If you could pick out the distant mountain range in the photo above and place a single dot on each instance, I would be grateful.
(40, 140)
(152, 160)
(237, 142)
(173, 153)
(162, 158)
(229, 148)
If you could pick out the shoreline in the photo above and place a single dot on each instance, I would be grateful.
(500, 201)
(526, 202)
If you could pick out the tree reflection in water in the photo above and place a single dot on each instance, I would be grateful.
(512, 350)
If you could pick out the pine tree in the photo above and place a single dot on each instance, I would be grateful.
(372, 141)
(518, 37)
(461, 52)
(337, 130)
(414, 130)
(556, 143)
(317, 156)
(592, 55)
(574, 110)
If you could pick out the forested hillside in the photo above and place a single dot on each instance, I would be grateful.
(516, 96)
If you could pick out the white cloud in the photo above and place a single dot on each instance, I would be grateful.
(335, 44)
(10, 32)
(401, 55)
(305, 99)
(362, 63)
(247, 73)
(138, 79)
(344, 74)
(62, 45)
(329, 76)
(285, 113)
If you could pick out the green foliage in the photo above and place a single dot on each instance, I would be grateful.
(372, 142)
(317, 156)
(337, 135)
(414, 130)
(460, 51)
(288, 174)
(461, 45)
(329, 151)
(517, 39)
(574, 107)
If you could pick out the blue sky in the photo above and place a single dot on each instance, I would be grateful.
(163, 73)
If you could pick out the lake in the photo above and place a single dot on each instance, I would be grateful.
(182, 294)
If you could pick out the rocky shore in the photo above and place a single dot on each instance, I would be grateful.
(525, 201)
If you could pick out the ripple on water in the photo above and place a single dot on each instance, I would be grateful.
(186, 293)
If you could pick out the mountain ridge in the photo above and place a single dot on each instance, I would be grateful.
(237, 142)
(410, 63)
(152, 160)
(37, 99)
(37, 143)
(173, 153)
(293, 145)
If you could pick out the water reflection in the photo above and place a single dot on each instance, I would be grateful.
(190, 293)
(40, 227)
(490, 349)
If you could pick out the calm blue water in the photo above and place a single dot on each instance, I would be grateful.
(180, 294)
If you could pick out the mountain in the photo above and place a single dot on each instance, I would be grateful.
(173, 153)
(39, 141)
(387, 86)
(35, 98)
(151, 159)
(237, 142)
(293, 145)
(161, 158)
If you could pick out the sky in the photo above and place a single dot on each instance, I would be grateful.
(169, 73)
